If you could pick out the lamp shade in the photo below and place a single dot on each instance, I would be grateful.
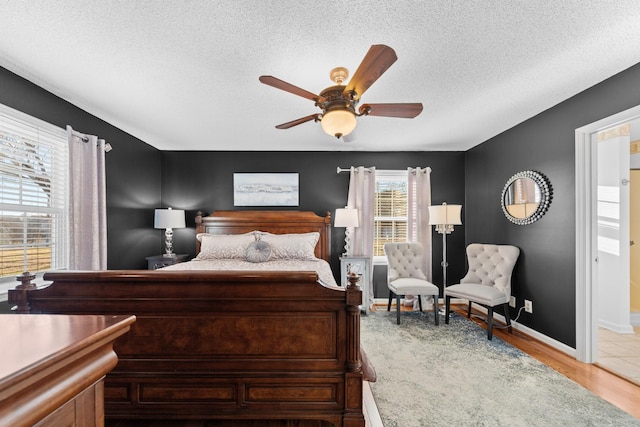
(445, 214)
(338, 123)
(346, 217)
(169, 218)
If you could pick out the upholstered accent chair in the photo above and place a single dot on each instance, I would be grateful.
(487, 282)
(405, 275)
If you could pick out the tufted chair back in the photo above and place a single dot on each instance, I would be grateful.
(491, 265)
(405, 260)
(405, 276)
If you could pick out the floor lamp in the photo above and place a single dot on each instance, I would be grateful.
(444, 217)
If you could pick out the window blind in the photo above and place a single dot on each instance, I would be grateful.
(33, 196)
(390, 216)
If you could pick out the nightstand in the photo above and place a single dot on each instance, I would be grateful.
(361, 266)
(159, 261)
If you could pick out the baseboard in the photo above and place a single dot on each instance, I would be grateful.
(635, 319)
(532, 333)
(620, 329)
(518, 326)
(371, 413)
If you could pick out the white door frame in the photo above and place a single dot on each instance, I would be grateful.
(586, 232)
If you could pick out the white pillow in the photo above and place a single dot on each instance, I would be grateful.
(292, 246)
(224, 246)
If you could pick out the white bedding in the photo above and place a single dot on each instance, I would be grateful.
(320, 266)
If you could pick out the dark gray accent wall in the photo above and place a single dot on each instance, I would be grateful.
(133, 170)
(204, 181)
(545, 273)
(141, 178)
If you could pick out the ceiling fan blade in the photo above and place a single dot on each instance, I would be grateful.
(299, 121)
(407, 111)
(288, 87)
(377, 60)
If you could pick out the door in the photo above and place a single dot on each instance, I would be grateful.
(634, 228)
(613, 229)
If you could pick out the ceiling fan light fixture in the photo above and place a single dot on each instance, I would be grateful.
(339, 122)
(338, 103)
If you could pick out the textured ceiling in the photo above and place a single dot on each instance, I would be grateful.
(183, 75)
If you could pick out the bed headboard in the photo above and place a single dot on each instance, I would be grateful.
(276, 222)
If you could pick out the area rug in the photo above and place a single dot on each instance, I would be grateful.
(451, 375)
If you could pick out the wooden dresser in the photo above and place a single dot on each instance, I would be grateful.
(52, 368)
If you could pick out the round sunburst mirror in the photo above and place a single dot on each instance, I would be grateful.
(525, 197)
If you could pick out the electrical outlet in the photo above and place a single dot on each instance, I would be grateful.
(528, 306)
(512, 302)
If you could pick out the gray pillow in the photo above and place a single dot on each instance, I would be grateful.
(258, 251)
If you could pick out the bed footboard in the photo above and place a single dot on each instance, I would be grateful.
(221, 345)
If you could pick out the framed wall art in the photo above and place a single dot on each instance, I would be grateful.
(265, 189)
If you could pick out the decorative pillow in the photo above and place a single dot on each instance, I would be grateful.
(258, 251)
(224, 246)
(292, 246)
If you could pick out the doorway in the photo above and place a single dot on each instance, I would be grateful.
(619, 352)
(587, 256)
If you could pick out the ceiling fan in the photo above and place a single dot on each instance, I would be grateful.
(338, 103)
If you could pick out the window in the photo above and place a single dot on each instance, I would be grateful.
(391, 210)
(33, 197)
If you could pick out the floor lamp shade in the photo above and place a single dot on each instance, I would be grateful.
(169, 219)
(445, 214)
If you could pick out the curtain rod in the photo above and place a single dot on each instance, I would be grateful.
(413, 170)
(107, 146)
(85, 138)
(424, 170)
(339, 169)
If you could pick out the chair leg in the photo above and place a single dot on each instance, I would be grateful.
(507, 317)
(490, 323)
(398, 309)
(435, 309)
(447, 307)
(469, 311)
(420, 302)
(389, 305)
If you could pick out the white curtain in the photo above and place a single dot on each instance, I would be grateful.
(87, 204)
(362, 193)
(418, 228)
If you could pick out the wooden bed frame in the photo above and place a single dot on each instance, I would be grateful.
(223, 345)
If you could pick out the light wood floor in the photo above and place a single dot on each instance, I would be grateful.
(614, 389)
(620, 353)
